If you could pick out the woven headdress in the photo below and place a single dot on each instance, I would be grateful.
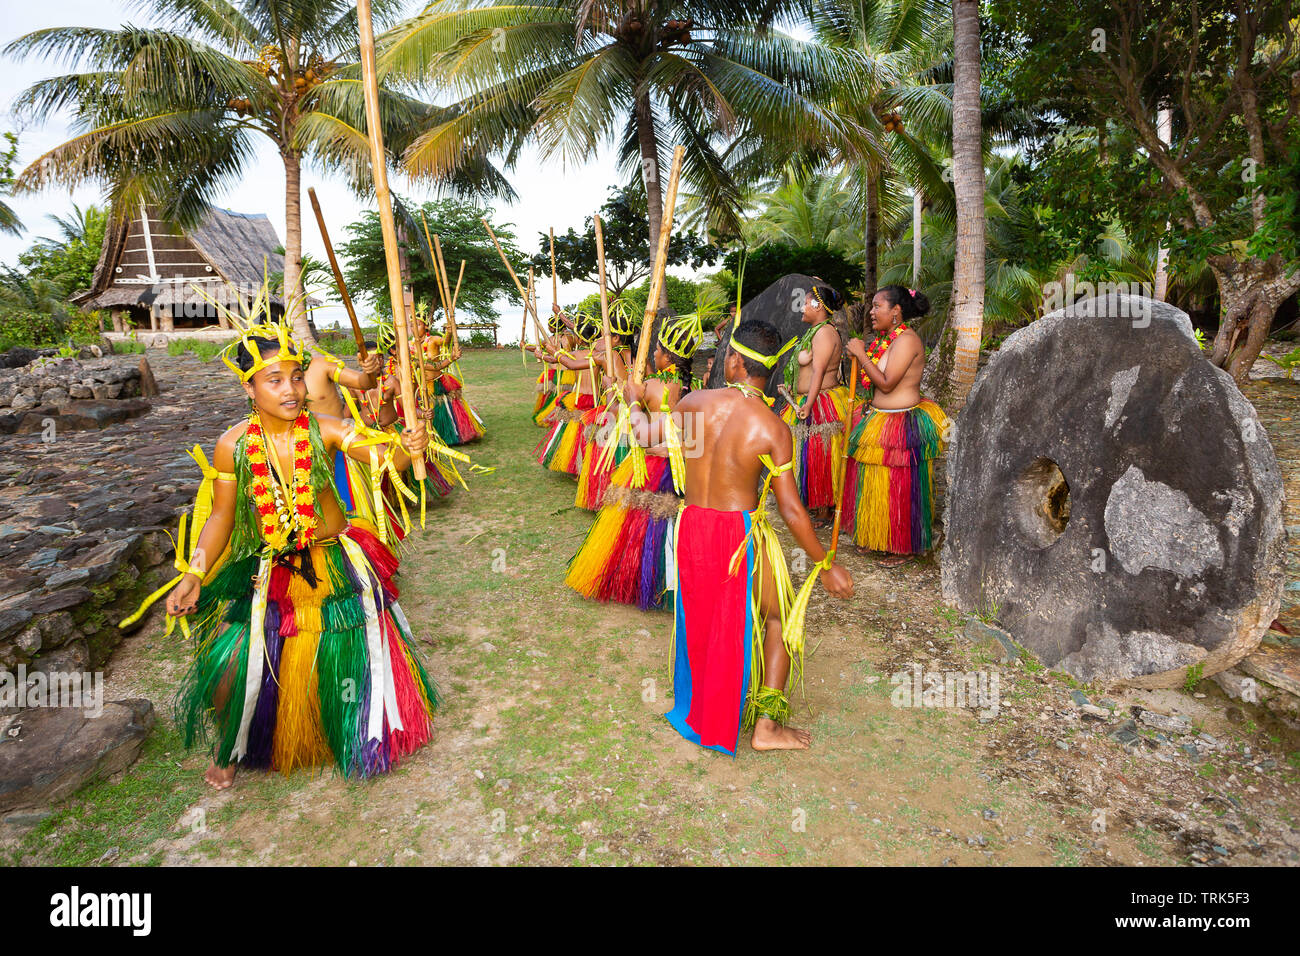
(256, 320)
(586, 327)
(681, 335)
(623, 318)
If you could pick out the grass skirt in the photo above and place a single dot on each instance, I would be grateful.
(819, 445)
(549, 394)
(454, 419)
(562, 447)
(889, 482)
(626, 554)
(331, 677)
(593, 480)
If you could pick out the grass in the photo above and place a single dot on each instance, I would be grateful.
(201, 348)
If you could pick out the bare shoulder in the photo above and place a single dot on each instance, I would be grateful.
(223, 459)
(697, 400)
(827, 335)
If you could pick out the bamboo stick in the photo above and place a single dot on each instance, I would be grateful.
(844, 460)
(555, 288)
(455, 296)
(408, 299)
(528, 303)
(437, 276)
(661, 263)
(446, 291)
(338, 276)
(384, 204)
(604, 300)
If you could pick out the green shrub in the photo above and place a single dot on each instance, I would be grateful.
(130, 347)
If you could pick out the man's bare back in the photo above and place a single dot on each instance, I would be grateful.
(736, 428)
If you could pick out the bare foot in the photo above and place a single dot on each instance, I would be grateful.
(219, 778)
(895, 560)
(769, 735)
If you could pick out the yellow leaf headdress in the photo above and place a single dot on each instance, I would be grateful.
(255, 320)
(681, 335)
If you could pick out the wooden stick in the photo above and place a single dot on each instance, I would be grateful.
(523, 327)
(518, 285)
(455, 296)
(338, 276)
(661, 263)
(437, 276)
(555, 289)
(446, 291)
(844, 460)
(384, 203)
(408, 299)
(604, 300)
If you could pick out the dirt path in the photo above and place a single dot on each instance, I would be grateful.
(551, 747)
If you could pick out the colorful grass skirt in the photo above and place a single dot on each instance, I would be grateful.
(548, 393)
(594, 477)
(454, 419)
(627, 554)
(562, 447)
(306, 659)
(889, 481)
(819, 445)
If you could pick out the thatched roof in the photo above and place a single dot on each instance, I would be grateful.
(235, 253)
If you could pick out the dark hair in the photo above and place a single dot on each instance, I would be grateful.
(264, 345)
(913, 304)
(681, 365)
(829, 296)
(370, 345)
(763, 338)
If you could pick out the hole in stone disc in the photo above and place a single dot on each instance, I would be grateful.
(1041, 502)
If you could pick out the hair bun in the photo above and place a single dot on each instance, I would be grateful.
(920, 302)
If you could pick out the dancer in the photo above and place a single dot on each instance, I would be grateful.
(552, 382)
(599, 425)
(889, 482)
(304, 656)
(817, 420)
(562, 447)
(626, 555)
(738, 629)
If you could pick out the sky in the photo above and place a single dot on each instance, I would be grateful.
(551, 194)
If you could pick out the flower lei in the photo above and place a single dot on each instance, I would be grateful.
(278, 521)
(883, 342)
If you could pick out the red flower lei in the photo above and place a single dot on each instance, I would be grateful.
(276, 524)
(877, 349)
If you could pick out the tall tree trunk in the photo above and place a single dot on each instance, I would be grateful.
(1164, 129)
(652, 175)
(293, 293)
(968, 181)
(918, 210)
(871, 236)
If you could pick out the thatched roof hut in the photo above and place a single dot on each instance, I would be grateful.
(150, 270)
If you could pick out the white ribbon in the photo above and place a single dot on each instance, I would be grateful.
(256, 657)
(374, 637)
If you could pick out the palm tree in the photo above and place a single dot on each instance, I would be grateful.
(968, 183)
(901, 50)
(169, 115)
(574, 75)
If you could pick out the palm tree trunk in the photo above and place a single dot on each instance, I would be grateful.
(918, 209)
(651, 173)
(1164, 129)
(968, 181)
(293, 294)
(871, 237)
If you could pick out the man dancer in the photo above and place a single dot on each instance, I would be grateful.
(738, 625)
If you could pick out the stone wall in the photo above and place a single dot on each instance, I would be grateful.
(57, 381)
